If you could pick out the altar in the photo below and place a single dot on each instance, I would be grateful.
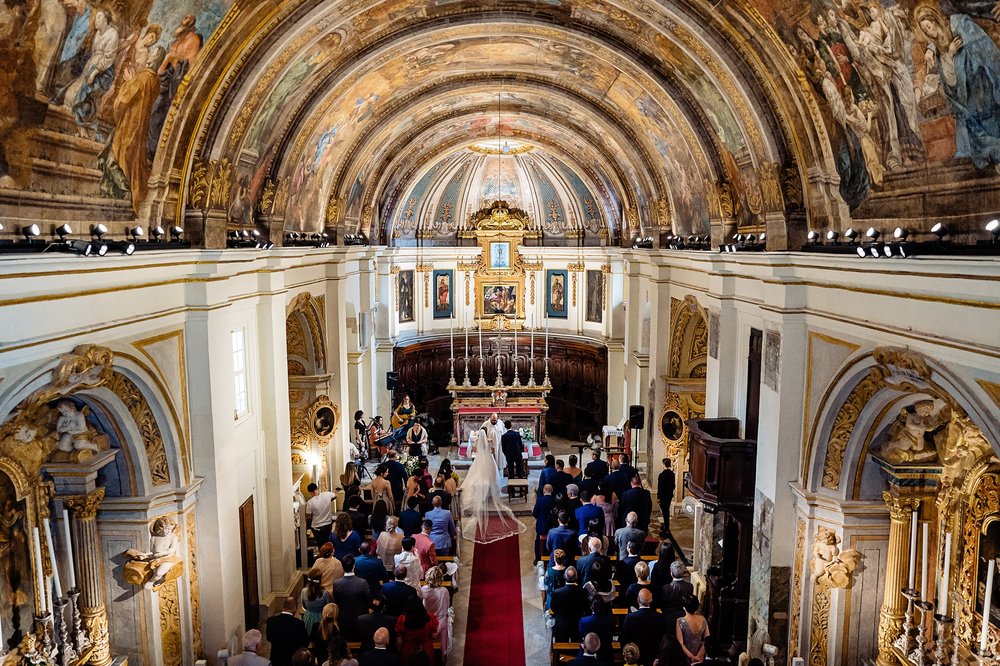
(473, 405)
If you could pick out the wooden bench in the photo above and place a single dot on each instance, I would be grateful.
(562, 653)
(355, 648)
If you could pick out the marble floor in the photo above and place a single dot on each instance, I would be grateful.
(536, 635)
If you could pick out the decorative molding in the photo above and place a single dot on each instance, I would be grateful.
(152, 437)
(796, 601)
(192, 544)
(85, 507)
(578, 267)
(322, 425)
(171, 646)
(424, 268)
(993, 390)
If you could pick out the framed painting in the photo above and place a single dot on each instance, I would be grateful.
(499, 299)
(555, 293)
(443, 301)
(595, 296)
(499, 255)
(405, 296)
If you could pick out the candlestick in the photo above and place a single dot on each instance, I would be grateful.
(517, 378)
(913, 550)
(917, 656)
(923, 564)
(67, 655)
(80, 637)
(39, 574)
(943, 588)
(52, 558)
(904, 641)
(984, 631)
(940, 651)
(71, 569)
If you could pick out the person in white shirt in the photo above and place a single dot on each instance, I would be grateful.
(409, 559)
(319, 509)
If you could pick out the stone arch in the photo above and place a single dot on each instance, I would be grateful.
(306, 335)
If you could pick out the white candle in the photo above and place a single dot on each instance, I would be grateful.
(943, 589)
(913, 550)
(515, 341)
(39, 575)
(923, 564)
(466, 339)
(56, 581)
(316, 473)
(984, 632)
(546, 337)
(452, 336)
(480, 341)
(532, 338)
(69, 551)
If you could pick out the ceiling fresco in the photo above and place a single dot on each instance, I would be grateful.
(679, 116)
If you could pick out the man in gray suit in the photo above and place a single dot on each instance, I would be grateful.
(251, 643)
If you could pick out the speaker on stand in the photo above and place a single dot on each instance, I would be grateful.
(636, 420)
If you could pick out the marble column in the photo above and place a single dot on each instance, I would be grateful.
(890, 622)
(90, 572)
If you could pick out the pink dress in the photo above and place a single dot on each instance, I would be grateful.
(437, 601)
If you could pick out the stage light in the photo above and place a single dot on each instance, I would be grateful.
(763, 238)
(125, 247)
(98, 231)
(31, 231)
(81, 247)
(873, 251)
(900, 233)
(176, 232)
(813, 237)
(887, 250)
(940, 230)
(63, 230)
(157, 233)
(833, 236)
(873, 234)
(861, 252)
(135, 233)
(851, 235)
(738, 238)
(993, 226)
(751, 239)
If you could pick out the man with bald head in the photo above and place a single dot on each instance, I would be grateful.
(589, 648)
(380, 656)
(644, 627)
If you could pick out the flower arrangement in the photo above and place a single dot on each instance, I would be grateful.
(411, 463)
(527, 434)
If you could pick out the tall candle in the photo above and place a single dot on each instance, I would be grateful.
(480, 341)
(52, 558)
(515, 342)
(39, 575)
(532, 338)
(452, 337)
(984, 632)
(546, 337)
(943, 593)
(466, 339)
(913, 549)
(923, 564)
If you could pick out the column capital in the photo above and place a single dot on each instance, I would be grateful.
(900, 506)
(85, 506)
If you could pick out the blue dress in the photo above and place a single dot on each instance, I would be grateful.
(314, 608)
(350, 545)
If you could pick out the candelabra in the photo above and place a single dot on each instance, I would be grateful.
(531, 373)
(482, 373)
(80, 637)
(43, 624)
(917, 656)
(468, 381)
(982, 656)
(940, 644)
(499, 383)
(517, 378)
(545, 382)
(451, 378)
(67, 653)
(905, 640)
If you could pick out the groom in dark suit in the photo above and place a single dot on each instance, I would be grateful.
(512, 446)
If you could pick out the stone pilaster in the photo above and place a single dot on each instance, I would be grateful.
(901, 508)
(90, 572)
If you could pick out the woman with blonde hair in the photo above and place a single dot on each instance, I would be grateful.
(631, 654)
(390, 543)
(437, 601)
(325, 629)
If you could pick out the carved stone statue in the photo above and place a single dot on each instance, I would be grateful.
(71, 425)
(831, 567)
(907, 442)
(960, 445)
(160, 565)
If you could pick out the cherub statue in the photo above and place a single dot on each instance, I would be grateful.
(72, 429)
(160, 564)
(907, 442)
(830, 566)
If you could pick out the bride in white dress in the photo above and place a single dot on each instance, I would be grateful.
(487, 516)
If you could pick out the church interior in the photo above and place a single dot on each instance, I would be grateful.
(754, 239)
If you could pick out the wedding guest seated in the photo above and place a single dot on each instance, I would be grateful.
(628, 533)
(410, 517)
(286, 634)
(411, 562)
(644, 627)
(390, 543)
(590, 648)
(396, 592)
(344, 539)
(569, 603)
(353, 596)
(424, 546)
(369, 623)
(329, 566)
(379, 654)
(630, 598)
(370, 568)
(252, 641)
(443, 530)
(415, 631)
(600, 622)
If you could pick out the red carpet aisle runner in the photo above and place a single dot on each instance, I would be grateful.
(494, 634)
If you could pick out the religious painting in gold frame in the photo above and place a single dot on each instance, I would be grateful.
(499, 298)
(499, 277)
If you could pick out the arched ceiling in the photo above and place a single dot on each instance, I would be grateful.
(337, 109)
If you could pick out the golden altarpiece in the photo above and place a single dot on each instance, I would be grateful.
(496, 286)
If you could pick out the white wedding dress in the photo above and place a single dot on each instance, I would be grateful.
(486, 517)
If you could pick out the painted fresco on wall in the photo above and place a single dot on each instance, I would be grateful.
(555, 294)
(102, 77)
(901, 85)
(595, 296)
(405, 297)
(444, 304)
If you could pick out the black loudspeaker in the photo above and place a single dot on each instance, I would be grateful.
(391, 380)
(636, 416)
